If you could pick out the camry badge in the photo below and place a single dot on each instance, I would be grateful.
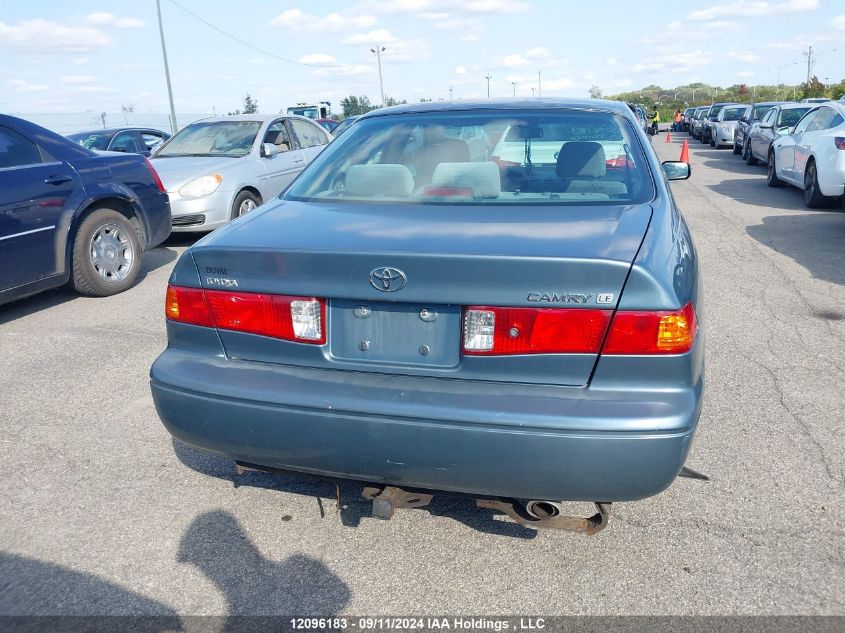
(388, 279)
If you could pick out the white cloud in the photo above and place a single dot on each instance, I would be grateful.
(612, 61)
(539, 52)
(745, 56)
(349, 70)
(677, 61)
(21, 85)
(753, 9)
(331, 23)
(557, 84)
(496, 6)
(45, 36)
(110, 19)
(78, 79)
(745, 74)
(461, 70)
(81, 61)
(379, 36)
(839, 22)
(317, 58)
(513, 61)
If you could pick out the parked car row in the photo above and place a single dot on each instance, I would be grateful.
(801, 144)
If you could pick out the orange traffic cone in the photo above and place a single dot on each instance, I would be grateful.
(668, 137)
(685, 152)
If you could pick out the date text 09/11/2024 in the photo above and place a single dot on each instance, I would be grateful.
(418, 623)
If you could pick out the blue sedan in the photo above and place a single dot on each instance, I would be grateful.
(68, 213)
(518, 323)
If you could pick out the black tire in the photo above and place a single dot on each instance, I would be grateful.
(704, 139)
(106, 257)
(771, 174)
(737, 148)
(242, 203)
(812, 196)
(748, 156)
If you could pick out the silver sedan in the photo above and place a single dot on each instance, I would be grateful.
(217, 169)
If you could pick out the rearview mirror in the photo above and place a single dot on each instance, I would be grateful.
(529, 131)
(268, 149)
(676, 170)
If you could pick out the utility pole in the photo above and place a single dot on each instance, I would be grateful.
(450, 94)
(378, 50)
(532, 92)
(810, 60)
(173, 126)
(488, 77)
(514, 87)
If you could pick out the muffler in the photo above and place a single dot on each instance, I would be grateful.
(539, 509)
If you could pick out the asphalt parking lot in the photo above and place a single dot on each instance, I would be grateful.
(102, 514)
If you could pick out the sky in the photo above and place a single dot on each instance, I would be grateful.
(98, 55)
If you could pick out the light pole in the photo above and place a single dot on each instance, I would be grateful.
(777, 96)
(166, 70)
(514, 87)
(488, 77)
(378, 50)
(450, 94)
(532, 93)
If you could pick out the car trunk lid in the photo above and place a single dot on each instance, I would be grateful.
(442, 259)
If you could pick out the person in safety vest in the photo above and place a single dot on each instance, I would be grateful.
(677, 121)
(655, 119)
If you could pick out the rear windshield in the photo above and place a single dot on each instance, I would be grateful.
(485, 157)
(714, 110)
(790, 117)
(734, 114)
(90, 140)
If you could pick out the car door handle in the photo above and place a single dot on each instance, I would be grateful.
(56, 180)
(299, 160)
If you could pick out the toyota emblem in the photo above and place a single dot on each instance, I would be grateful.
(388, 279)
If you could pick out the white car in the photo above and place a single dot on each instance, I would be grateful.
(812, 157)
(217, 169)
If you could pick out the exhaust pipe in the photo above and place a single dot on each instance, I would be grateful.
(538, 509)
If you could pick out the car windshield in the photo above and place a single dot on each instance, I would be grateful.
(213, 138)
(734, 114)
(761, 111)
(790, 117)
(311, 113)
(478, 158)
(91, 140)
(714, 110)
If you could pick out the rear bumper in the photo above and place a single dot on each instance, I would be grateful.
(519, 441)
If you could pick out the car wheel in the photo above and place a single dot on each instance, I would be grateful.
(737, 148)
(106, 257)
(245, 202)
(812, 196)
(748, 156)
(771, 173)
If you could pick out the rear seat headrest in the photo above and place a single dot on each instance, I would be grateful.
(483, 178)
(581, 159)
(379, 180)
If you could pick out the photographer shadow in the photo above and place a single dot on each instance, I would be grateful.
(352, 507)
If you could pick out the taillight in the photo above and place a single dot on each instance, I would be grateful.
(652, 332)
(490, 330)
(156, 179)
(291, 318)
(187, 305)
(839, 141)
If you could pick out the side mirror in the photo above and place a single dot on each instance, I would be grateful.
(744, 119)
(766, 126)
(676, 170)
(268, 149)
(784, 131)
